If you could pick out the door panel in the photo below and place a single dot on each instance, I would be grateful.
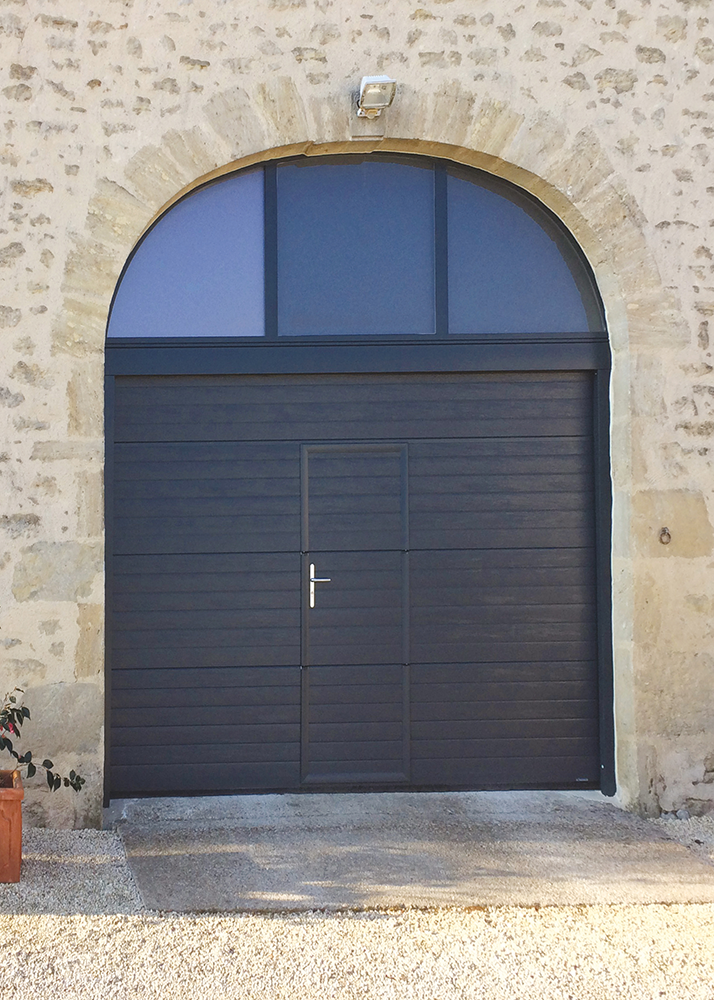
(354, 497)
(356, 724)
(455, 643)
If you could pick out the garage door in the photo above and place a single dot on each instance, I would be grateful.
(353, 581)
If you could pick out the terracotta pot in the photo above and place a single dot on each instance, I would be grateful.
(11, 796)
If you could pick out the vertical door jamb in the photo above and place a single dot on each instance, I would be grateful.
(406, 624)
(603, 552)
(304, 612)
(108, 573)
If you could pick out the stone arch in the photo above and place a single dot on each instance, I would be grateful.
(569, 173)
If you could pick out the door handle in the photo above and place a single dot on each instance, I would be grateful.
(316, 579)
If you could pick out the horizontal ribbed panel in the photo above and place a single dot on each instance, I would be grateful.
(455, 517)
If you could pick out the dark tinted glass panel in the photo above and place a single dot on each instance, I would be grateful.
(199, 271)
(506, 273)
(355, 249)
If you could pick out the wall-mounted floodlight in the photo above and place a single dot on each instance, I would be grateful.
(375, 94)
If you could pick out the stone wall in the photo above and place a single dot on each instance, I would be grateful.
(603, 109)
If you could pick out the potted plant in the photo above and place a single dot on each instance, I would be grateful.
(12, 715)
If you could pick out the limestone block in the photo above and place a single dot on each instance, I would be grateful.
(583, 168)
(92, 270)
(645, 797)
(629, 776)
(194, 150)
(684, 779)
(649, 387)
(283, 110)
(683, 513)
(23, 673)
(674, 688)
(452, 112)
(85, 402)
(648, 619)
(90, 503)
(89, 657)
(85, 390)
(56, 571)
(66, 719)
(495, 126)
(63, 451)
(234, 118)
(156, 176)
(66, 726)
(115, 215)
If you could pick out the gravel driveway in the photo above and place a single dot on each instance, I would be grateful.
(597, 952)
(75, 928)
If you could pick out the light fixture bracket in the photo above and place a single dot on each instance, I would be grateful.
(375, 94)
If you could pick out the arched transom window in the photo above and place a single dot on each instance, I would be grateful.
(356, 246)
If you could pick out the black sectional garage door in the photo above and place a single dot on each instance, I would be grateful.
(454, 645)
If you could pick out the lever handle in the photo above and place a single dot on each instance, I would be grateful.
(316, 579)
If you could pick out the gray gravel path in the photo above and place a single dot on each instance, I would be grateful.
(75, 927)
(72, 872)
(588, 953)
(696, 833)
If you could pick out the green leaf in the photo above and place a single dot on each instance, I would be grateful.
(25, 712)
(47, 763)
(31, 770)
(50, 779)
(57, 783)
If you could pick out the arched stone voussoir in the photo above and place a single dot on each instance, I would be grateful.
(115, 216)
(90, 277)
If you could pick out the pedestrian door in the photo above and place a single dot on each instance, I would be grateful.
(355, 618)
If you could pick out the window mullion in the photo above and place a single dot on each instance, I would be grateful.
(441, 251)
(271, 251)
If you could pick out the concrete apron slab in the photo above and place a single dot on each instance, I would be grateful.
(361, 851)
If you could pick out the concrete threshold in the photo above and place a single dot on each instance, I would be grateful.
(265, 853)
